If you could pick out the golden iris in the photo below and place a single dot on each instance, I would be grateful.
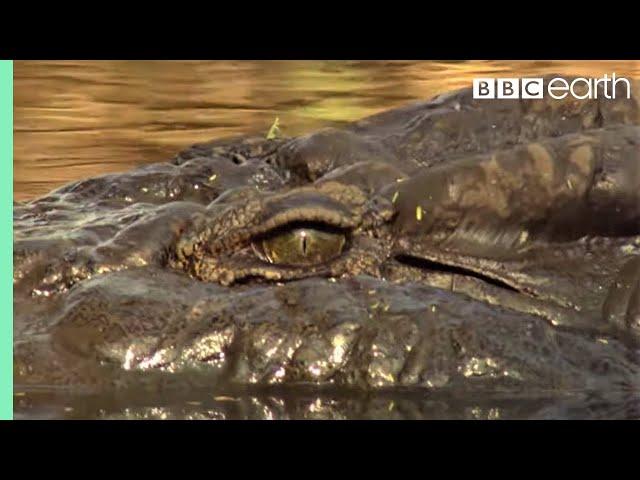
(301, 246)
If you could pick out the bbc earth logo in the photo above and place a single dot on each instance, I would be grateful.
(557, 88)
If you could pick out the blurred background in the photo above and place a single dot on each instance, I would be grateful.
(76, 119)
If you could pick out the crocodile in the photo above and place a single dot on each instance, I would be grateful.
(451, 258)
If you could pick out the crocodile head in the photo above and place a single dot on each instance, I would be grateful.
(448, 249)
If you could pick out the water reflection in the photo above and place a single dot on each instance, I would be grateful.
(76, 119)
(410, 405)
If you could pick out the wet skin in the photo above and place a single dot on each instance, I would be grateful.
(450, 249)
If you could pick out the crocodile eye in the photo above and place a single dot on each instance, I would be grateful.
(300, 246)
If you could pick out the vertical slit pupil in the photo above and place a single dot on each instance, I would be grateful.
(304, 243)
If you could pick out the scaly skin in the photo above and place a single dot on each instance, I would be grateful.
(492, 253)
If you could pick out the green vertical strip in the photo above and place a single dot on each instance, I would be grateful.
(6, 239)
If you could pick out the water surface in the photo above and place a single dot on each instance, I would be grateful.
(76, 119)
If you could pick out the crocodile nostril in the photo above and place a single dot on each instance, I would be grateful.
(238, 159)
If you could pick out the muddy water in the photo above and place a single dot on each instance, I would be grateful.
(75, 119)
